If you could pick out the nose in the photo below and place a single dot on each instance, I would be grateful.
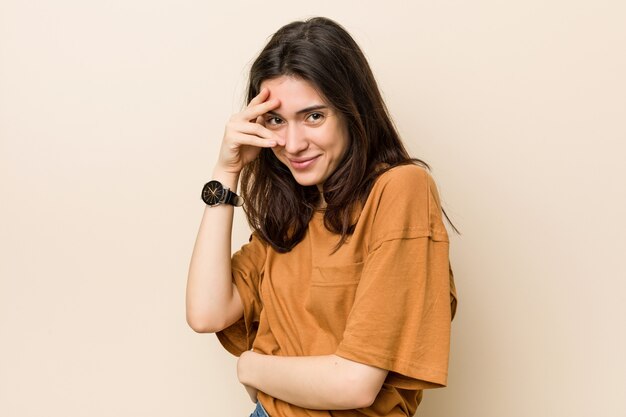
(295, 139)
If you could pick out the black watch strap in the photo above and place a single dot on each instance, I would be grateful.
(232, 198)
(214, 194)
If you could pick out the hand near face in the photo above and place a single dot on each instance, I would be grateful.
(244, 136)
(315, 134)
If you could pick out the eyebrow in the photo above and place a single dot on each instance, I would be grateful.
(305, 110)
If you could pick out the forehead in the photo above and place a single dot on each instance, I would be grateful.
(294, 93)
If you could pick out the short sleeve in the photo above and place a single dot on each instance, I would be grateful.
(247, 268)
(400, 319)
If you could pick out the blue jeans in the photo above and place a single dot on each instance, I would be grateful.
(259, 411)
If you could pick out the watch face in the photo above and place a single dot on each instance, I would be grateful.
(212, 193)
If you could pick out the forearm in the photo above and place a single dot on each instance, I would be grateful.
(211, 300)
(209, 283)
(316, 382)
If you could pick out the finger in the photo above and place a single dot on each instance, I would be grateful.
(259, 98)
(279, 139)
(257, 130)
(252, 140)
(261, 121)
(252, 112)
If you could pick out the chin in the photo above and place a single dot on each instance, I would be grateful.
(306, 183)
(305, 180)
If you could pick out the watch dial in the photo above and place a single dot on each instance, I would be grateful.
(212, 193)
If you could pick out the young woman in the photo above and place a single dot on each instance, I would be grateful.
(340, 304)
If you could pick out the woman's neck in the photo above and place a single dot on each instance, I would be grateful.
(322, 204)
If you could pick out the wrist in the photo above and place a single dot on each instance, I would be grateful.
(228, 179)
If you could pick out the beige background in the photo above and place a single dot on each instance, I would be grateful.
(111, 114)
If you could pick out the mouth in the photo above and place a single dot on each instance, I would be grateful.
(302, 163)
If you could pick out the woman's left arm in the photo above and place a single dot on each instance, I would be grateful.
(327, 382)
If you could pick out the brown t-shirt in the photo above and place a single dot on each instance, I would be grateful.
(385, 298)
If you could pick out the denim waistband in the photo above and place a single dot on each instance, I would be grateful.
(259, 411)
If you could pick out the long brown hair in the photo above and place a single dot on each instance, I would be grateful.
(323, 53)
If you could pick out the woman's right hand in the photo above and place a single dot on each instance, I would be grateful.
(244, 135)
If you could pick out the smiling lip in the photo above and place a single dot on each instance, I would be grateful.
(302, 163)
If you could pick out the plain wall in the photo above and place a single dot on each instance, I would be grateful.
(111, 114)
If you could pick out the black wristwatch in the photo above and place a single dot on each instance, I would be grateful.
(214, 194)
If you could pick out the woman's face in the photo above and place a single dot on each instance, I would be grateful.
(315, 135)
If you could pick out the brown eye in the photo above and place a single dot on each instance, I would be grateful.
(315, 117)
(273, 121)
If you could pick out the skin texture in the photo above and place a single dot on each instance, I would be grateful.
(327, 382)
(273, 120)
(212, 301)
(314, 136)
